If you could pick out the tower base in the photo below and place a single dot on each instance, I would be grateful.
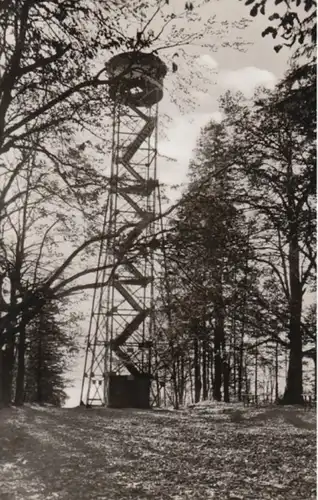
(126, 391)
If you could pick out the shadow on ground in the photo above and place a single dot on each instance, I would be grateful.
(74, 454)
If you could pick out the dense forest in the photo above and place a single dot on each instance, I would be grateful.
(239, 315)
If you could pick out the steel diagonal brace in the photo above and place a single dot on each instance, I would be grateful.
(126, 360)
(131, 170)
(145, 132)
(130, 329)
(127, 296)
(125, 247)
(132, 269)
(133, 235)
(132, 203)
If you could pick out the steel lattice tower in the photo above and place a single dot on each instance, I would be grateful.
(121, 329)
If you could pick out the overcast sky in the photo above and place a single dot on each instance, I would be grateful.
(223, 68)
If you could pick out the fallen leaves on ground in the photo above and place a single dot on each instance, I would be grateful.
(201, 453)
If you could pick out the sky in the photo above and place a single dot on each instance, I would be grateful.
(222, 68)
(227, 69)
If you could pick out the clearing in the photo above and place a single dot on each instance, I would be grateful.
(203, 453)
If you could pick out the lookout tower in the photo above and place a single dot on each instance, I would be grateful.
(118, 359)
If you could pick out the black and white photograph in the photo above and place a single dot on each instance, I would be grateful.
(158, 304)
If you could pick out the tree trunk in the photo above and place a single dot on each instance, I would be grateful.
(240, 371)
(205, 372)
(39, 392)
(247, 380)
(182, 387)
(165, 388)
(211, 364)
(197, 371)
(1, 377)
(226, 381)
(276, 373)
(6, 373)
(293, 392)
(233, 357)
(190, 359)
(218, 341)
(315, 375)
(294, 386)
(256, 377)
(242, 339)
(158, 386)
(19, 394)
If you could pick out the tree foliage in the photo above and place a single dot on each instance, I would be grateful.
(295, 23)
(243, 244)
(50, 345)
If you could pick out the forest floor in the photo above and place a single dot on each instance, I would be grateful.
(207, 452)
